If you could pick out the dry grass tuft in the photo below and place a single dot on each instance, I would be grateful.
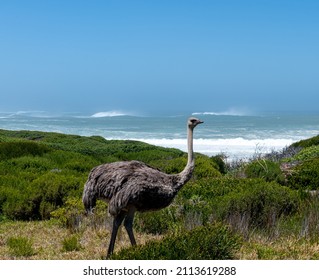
(292, 248)
(47, 241)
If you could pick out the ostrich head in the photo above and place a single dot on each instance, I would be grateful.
(192, 122)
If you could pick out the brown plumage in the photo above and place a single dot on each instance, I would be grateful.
(131, 186)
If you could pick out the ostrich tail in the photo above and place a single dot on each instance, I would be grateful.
(88, 199)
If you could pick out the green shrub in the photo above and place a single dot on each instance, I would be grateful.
(265, 169)
(307, 142)
(72, 161)
(20, 247)
(212, 188)
(202, 243)
(70, 244)
(5, 192)
(31, 163)
(156, 222)
(305, 176)
(19, 205)
(56, 187)
(70, 215)
(243, 203)
(80, 166)
(46, 208)
(259, 205)
(194, 212)
(35, 200)
(205, 168)
(220, 163)
(10, 150)
(171, 166)
(308, 153)
(156, 154)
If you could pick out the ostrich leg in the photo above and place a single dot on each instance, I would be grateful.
(128, 223)
(116, 224)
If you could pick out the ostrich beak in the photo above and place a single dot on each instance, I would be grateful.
(200, 121)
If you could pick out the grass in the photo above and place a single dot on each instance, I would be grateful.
(50, 241)
(47, 243)
(288, 248)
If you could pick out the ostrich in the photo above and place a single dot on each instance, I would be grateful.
(130, 186)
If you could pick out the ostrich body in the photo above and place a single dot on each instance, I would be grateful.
(131, 186)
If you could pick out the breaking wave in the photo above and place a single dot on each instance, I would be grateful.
(230, 112)
(32, 114)
(231, 147)
(110, 114)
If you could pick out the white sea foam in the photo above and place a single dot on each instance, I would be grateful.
(28, 114)
(107, 114)
(230, 112)
(232, 148)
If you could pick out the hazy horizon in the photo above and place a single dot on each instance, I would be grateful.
(159, 57)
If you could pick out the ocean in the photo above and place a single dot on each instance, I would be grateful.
(237, 136)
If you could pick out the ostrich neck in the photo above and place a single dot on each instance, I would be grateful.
(186, 174)
(190, 161)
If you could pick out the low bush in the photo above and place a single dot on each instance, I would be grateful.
(20, 247)
(213, 188)
(34, 164)
(259, 205)
(157, 222)
(73, 217)
(220, 163)
(243, 203)
(171, 166)
(35, 200)
(308, 153)
(305, 176)
(70, 214)
(265, 169)
(17, 205)
(156, 154)
(194, 212)
(205, 168)
(307, 142)
(70, 244)
(10, 150)
(202, 243)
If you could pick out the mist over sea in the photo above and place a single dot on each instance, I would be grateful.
(233, 134)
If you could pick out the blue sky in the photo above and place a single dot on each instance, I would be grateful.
(164, 57)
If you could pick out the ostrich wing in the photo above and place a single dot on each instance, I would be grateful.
(132, 183)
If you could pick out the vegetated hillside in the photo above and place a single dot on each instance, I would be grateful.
(42, 177)
(39, 171)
